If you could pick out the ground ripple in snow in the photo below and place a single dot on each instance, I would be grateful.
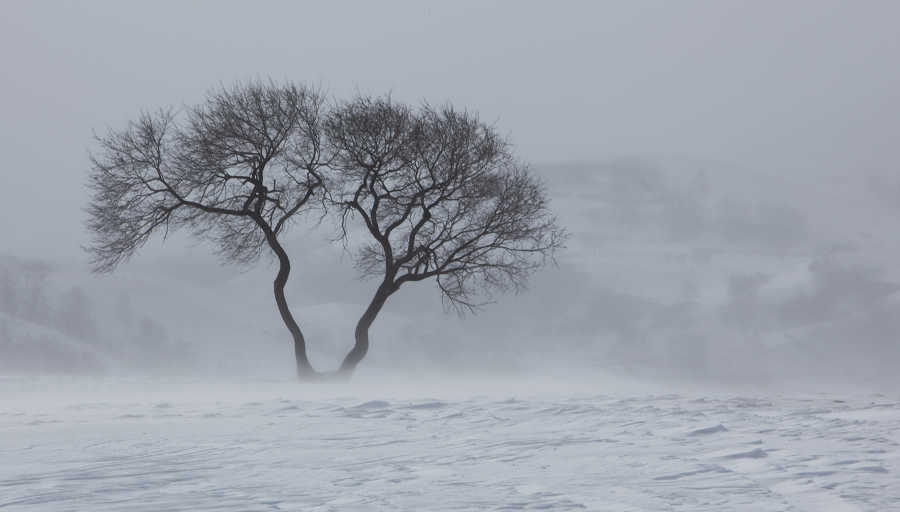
(595, 453)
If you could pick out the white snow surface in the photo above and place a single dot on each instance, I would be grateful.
(150, 445)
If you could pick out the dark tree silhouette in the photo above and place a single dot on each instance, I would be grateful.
(235, 170)
(441, 196)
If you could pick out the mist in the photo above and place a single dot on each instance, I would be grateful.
(726, 172)
(720, 331)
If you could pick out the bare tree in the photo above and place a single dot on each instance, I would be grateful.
(235, 170)
(440, 196)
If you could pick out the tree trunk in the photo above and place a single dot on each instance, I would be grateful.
(304, 368)
(361, 346)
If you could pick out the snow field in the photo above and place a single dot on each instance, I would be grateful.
(609, 453)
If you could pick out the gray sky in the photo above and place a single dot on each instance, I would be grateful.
(734, 208)
(781, 87)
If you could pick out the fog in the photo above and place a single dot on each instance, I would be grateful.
(727, 172)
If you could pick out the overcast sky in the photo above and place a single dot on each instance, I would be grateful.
(780, 87)
(727, 149)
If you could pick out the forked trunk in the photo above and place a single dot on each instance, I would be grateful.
(361, 345)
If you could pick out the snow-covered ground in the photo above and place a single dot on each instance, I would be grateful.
(112, 444)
